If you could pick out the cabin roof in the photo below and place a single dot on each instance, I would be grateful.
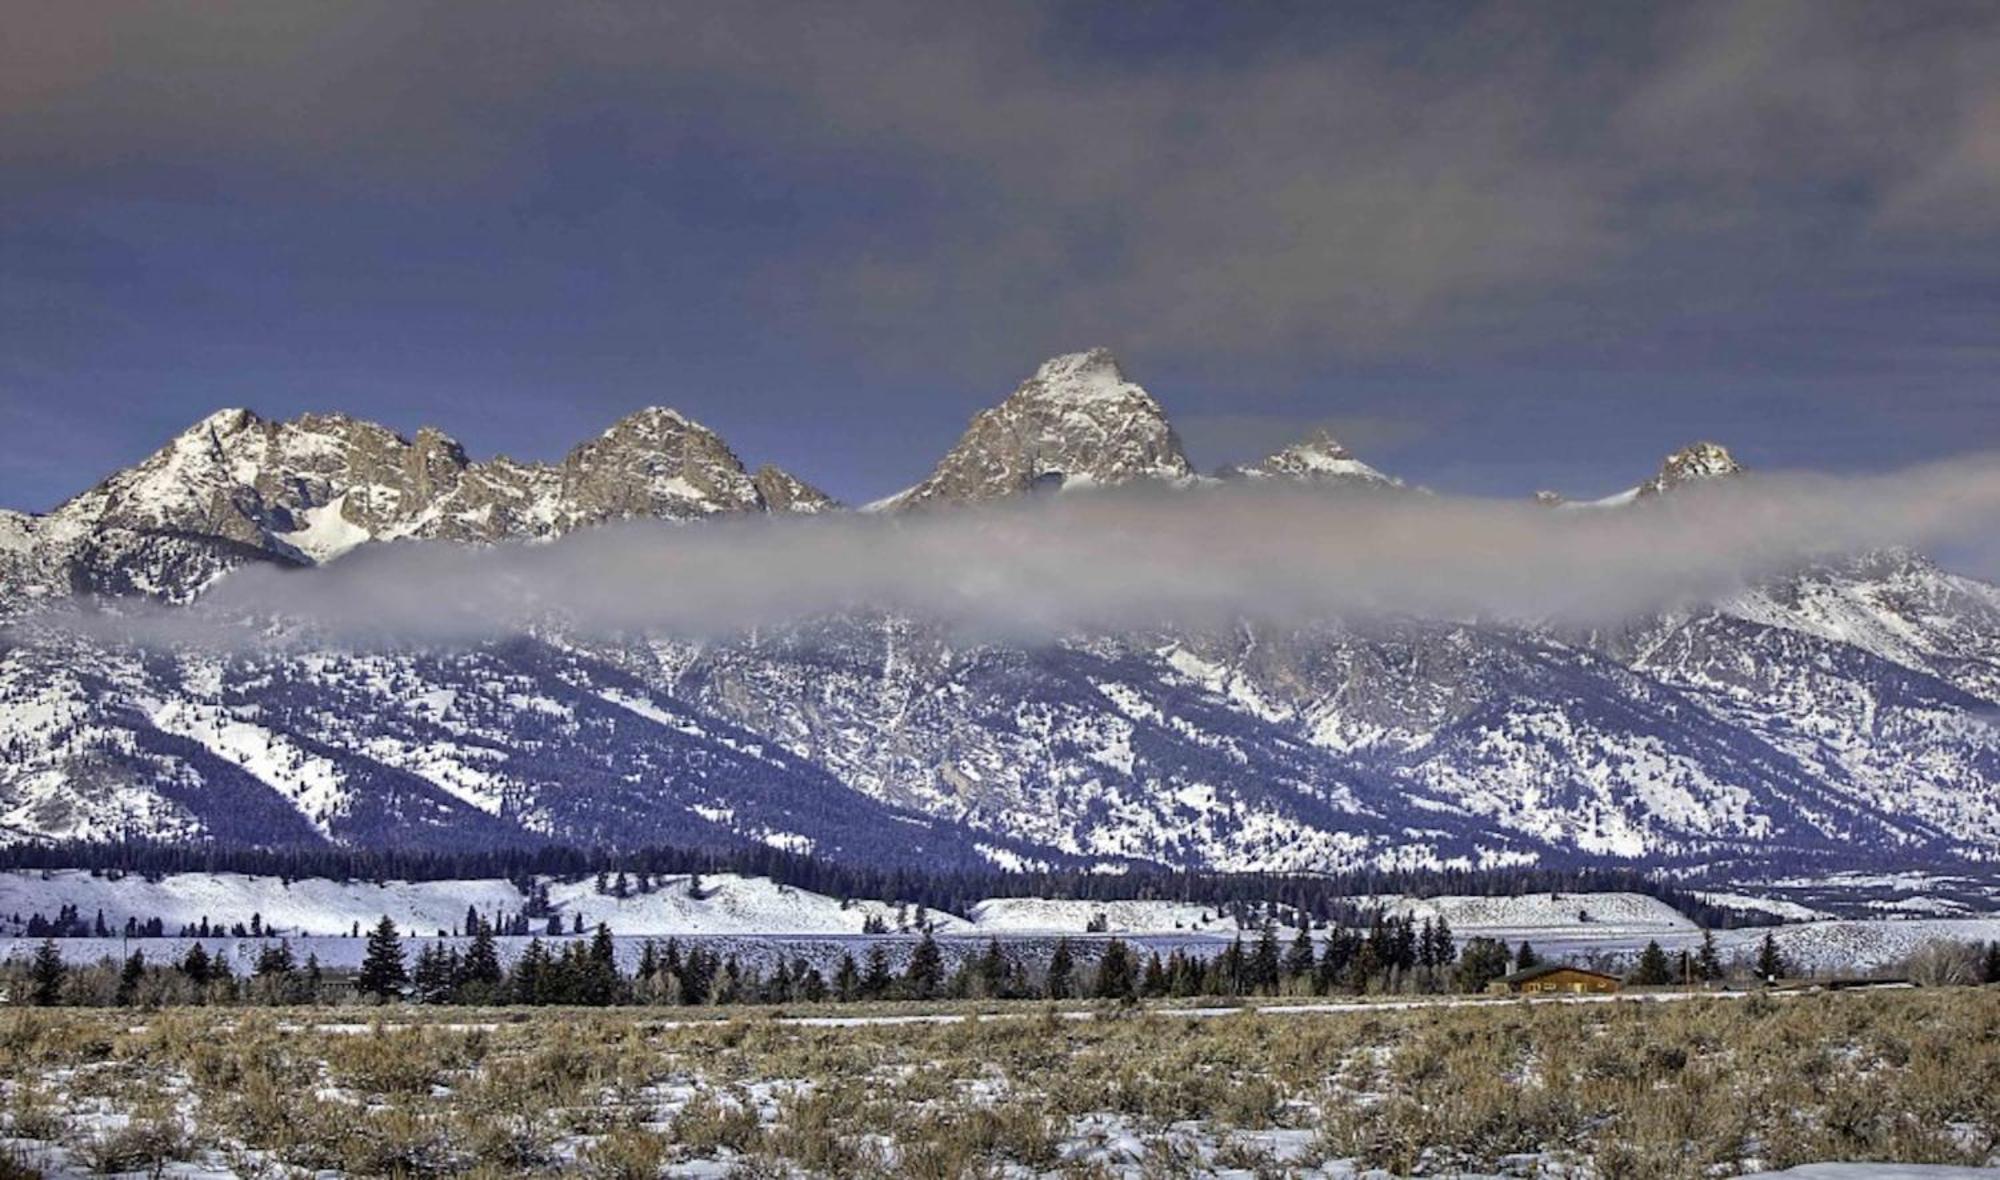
(1541, 969)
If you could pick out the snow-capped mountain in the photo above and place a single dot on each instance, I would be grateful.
(235, 487)
(1318, 459)
(1847, 713)
(1078, 422)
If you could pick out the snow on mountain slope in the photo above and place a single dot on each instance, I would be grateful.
(1530, 734)
(724, 904)
(1319, 460)
(1895, 605)
(1909, 748)
(503, 743)
(1847, 711)
(1089, 748)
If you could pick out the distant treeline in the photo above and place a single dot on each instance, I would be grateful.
(1394, 955)
(1321, 898)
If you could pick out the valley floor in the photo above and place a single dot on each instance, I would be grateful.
(1703, 1087)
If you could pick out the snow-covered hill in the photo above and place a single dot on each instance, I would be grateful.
(711, 904)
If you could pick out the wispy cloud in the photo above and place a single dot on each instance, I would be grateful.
(1110, 560)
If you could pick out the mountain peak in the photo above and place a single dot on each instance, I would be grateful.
(653, 418)
(1318, 458)
(1077, 422)
(1089, 375)
(1692, 464)
(655, 462)
(782, 491)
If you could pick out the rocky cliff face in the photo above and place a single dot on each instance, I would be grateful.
(1077, 423)
(1692, 464)
(236, 487)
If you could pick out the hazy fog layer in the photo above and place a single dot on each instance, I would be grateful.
(1132, 558)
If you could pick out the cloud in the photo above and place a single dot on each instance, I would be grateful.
(1111, 560)
(1333, 184)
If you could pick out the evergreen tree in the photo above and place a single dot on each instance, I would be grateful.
(1480, 962)
(846, 980)
(1444, 948)
(778, 990)
(433, 981)
(729, 986)
(1653, 970)
(1116, 978)
(600, 982)
(196, 966)
(531, 979)
(275, 962)
(1526, 957)
(479, 973)
(991, 973)
(1231, 970)
(697, 976)
(1992, 971)
(1300, 960)
(926, 970)
(875, 983)
(1335, 957)
(45, 975)
(1770, 964)
(130, 976)
(382, 971)
(1155, 982)
(1061, 964)
(1365, 965)
(1264, 963)
(1708, 961)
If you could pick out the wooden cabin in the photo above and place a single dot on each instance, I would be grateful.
(1555, 979)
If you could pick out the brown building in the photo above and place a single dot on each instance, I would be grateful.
(1555, 978)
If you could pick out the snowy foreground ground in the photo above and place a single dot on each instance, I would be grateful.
(1699, 1087)
(757, 919)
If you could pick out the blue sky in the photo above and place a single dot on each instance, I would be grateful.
(1497, 248)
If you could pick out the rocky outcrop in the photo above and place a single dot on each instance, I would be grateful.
(1320, 460)
(235, 487)
(1692, 464)
(1077, 423)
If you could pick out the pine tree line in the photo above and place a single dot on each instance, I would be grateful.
(1394, 955)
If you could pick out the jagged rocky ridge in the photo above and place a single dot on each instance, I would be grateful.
(235, 487)
(1842, 714)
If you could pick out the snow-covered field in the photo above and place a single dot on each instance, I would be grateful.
(1583, 915)
(1034, 915)
(757, 919)
(1777, 907)
(723, 904)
